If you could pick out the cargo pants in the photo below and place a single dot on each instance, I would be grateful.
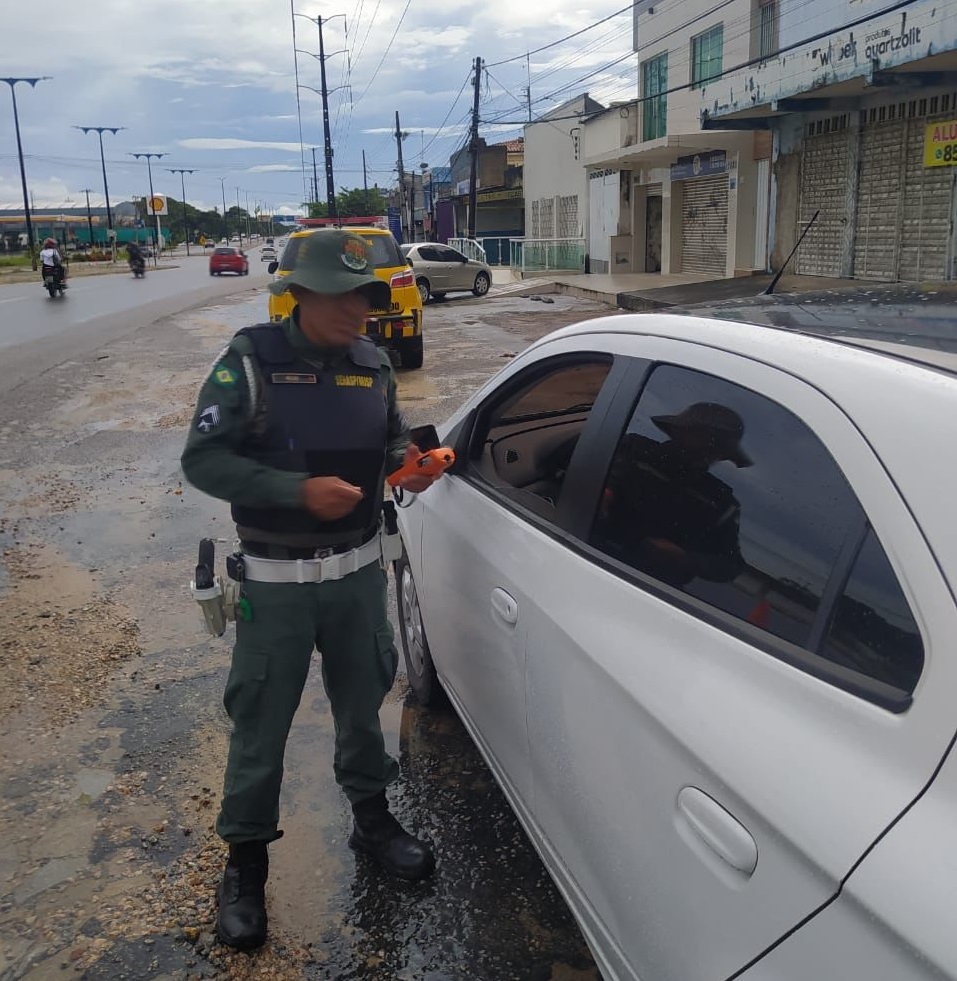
(346, 620)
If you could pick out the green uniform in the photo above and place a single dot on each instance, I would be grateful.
(345, 619)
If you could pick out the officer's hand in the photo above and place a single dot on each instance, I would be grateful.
(330, 498)
(415, 483)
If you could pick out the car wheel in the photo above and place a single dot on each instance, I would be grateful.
(415, 647)
(410, 350)
(424, 290)
(482, 284)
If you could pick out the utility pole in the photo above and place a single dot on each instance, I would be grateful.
(32, 82)
(239, 219)
(474, 150)
(365, 174)
(89, 214)
(330, 183)
(315, 177)
(399, 135)
(182, 179)
(528, 90)
(248, 236)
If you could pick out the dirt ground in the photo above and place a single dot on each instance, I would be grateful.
(114, 737)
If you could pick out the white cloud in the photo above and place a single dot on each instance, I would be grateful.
(209, 143)
(271, 168)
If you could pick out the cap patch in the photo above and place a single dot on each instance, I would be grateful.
(354, 256)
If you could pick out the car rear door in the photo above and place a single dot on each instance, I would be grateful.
(720, 728)
(428, 264)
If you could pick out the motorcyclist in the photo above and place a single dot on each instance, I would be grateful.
(135, 254)
(50, 259)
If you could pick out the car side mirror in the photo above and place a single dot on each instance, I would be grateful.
(272, 267)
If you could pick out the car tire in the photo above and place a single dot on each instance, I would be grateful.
(482, 283)
(411, 352)
(425, 291)
(415, 647)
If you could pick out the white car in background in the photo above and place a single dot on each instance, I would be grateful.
(267, 254)
(690, 585)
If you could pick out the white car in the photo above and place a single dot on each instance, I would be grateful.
(690, 585)
(267, 254)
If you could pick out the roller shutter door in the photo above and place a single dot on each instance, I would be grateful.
(826, 167)
(704, 225)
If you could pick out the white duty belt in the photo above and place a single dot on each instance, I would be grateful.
(326, 569)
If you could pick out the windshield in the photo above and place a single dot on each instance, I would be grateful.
(383, 252)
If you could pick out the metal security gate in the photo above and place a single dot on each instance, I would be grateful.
(704, 225)
(876, 240)
(827, 169)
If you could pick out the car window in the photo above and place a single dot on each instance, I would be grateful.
(450, 255)
(383, 251)
(429, 253)
(225, 252)
(523, 444)
(729, 497)
(289, 254)
(873, 630)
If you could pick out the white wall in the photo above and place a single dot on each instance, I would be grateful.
(551, 167)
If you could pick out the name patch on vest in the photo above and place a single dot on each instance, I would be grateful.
(353, 381)
(292, 378)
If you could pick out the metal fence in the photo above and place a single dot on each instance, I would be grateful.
(469, 247)
(547, 254)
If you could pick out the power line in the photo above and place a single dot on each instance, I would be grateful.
(545, 47)
(742, 65)
(385, 53)
(447, 115)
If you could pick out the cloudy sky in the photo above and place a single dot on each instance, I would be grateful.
(212, 85)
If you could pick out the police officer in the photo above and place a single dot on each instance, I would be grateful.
(296, 426)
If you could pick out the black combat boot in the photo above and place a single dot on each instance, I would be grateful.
(375, 832)
(242, 897)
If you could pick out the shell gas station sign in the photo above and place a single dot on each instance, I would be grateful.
(940, 143)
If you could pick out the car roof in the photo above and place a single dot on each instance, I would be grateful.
(908, 322)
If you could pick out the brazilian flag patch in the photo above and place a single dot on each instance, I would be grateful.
(223, 376)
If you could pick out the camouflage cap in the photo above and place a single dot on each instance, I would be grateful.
(334, 261)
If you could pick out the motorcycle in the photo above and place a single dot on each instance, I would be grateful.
(54, 280)
(138, 266)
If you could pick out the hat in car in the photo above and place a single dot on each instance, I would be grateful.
(723, 426)
(334, 261)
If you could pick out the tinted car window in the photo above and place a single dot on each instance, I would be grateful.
(525, 442)
(428, 253)
(729, 497)
(225, 251)
(873, 630)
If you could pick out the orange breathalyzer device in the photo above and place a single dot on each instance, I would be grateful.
(431, 463)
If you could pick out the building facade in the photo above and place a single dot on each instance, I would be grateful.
(860, 103)
(500, 204)
(664, 194)
(556, 183)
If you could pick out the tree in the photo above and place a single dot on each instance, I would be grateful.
(354, 203)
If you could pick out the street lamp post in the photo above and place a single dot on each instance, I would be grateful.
(222, 181)
(182, 179)
(12, 82)
(100, 130)
(156, 229)
(89, 214)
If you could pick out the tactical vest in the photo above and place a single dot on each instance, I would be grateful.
(329, 421)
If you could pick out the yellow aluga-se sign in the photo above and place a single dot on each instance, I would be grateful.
(940, 143)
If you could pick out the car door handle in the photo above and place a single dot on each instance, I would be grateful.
(504, 606)
(718, 829)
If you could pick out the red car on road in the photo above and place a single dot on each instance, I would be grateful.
(228, 259)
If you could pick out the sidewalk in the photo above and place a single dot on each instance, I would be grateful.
(655, 291)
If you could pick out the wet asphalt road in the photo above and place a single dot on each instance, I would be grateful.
(107, 857)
